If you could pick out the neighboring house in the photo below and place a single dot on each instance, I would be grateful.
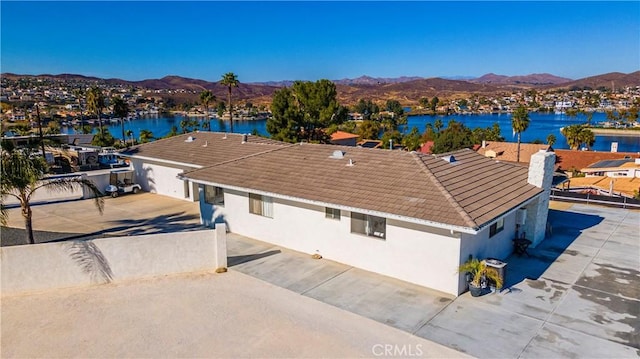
(628, 168)
(426, 148)
(402, 214)
(344, 138)
(508, 151)
(157, 164)
(569, 160)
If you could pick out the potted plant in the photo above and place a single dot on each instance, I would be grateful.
(478, 275)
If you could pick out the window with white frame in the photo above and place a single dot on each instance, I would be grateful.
(214, 195)
(496, 227)
(368, 225)
(332, 213)
(261, 205)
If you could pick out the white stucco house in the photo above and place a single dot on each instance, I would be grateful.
(407, 215)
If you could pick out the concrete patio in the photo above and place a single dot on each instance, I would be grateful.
(577, 295)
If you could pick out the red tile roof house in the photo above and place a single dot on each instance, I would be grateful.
(344, 138)
(406, 215)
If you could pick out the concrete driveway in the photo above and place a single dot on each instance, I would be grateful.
(577, 295)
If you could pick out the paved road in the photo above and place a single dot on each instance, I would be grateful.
(578, 295)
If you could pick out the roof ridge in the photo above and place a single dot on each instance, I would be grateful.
(465, 216)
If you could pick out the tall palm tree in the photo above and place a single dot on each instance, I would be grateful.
(23, 175)
(519, 123)
(230, 80)
(95, 103)
(78, 94)
(206, 97)
(121, 110)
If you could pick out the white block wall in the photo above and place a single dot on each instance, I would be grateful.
(46, 266)
(413, 253)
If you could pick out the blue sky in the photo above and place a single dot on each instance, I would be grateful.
(263, 41)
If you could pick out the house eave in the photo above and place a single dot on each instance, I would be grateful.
(159, 160)
(449, 227)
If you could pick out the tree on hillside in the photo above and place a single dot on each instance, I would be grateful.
(434, 103)
(230, 80)
(95, 103)
(206, 97)
(23, 174)
(519, 123)
(121, 110)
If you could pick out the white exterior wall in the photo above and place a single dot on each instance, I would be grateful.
(481, 246)
(414, 253)
(161, 179)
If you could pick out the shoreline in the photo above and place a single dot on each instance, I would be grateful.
(614, 132)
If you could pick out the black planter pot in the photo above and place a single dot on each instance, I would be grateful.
(475, 291)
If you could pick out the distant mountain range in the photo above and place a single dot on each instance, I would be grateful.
(533, 79)
(404, 89)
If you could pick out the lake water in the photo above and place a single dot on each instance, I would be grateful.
(540, 127)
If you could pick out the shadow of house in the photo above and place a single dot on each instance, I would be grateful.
(565, 227)
(237, 260)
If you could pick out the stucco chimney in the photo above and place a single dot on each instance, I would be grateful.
(540, 175)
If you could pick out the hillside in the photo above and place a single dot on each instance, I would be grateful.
(608, 80)
(407, 90)
(532, 79)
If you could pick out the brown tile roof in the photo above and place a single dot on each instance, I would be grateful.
(507, 151)
(568, 159)
(207, 148)
(468, 193)
(341, 135)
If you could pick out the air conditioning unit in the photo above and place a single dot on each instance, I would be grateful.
(521, 216)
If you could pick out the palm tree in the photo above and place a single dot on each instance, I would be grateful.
(587, 137)
(78, 94)
(576, 135)
(129, 134)
(551, 140)
(519, 123)
(23, 175)
(206, 97)
(95, 103)
(145, 136)
(230, 80)
(121, 109)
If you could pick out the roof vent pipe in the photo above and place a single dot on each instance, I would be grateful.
(484, 144)
(244, 138)
(391, 144)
